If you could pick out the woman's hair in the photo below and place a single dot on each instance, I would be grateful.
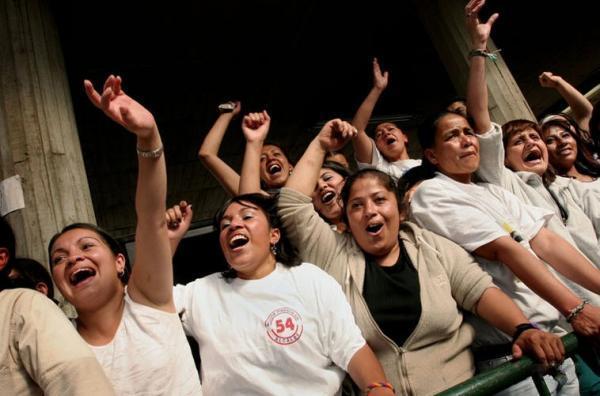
(115, 246)
(585, 162)
(31, 272)
(519, 125)
(595, 127)
(337, 168)
(426, 134)
(384, 180)
(285, 253)
(409, 179)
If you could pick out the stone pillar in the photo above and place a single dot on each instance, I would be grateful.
(39, 137)
(444, 20)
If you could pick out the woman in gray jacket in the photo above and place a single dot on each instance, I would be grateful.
(407, 286)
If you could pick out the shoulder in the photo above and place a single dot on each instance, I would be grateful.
(312, 274)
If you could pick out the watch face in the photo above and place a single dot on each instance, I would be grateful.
(226, 107)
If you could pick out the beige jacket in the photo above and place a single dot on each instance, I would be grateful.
(41, 352)
(436, 355)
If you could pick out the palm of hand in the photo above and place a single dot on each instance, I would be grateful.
(130, 114)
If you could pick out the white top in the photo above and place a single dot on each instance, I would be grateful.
(581, 204)
(395, 169)
(149, 354)
(289, 333)
(473, 215)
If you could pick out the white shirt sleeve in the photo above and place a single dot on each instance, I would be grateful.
(342, 337)
(377, 159)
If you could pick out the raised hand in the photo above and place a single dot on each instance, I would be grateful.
(335, 134)
(479, 32)
(121, 108)
(549, 80)
(256, 126)
(179, 218)
(380, 80)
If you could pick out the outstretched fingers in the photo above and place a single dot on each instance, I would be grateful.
(91, 93)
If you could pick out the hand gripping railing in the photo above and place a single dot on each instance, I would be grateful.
(508, 374)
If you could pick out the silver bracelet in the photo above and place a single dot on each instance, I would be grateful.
(575, 311)
(150, 153)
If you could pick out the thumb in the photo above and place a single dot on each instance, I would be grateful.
(492, 19)
(517, 352)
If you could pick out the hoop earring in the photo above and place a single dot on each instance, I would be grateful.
(121, 274)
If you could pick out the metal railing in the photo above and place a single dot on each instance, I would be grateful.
(508, 374)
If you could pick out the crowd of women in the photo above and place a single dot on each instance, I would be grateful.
(407, 276)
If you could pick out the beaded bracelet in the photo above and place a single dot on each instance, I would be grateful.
(575, 311)
(375, 385)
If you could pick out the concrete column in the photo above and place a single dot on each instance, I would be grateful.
(445, 23)
(39, 137)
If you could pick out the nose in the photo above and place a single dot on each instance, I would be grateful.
(321, 184)
(466, 140)
(369, 209)
(75, 258)
(236, 223)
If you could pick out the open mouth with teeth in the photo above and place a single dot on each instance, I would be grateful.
(327, 197)
(374, 228)
(274, 168)
(237, 241)
(81, 275)
(533, 156)
(390, 140)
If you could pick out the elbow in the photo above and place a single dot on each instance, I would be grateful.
(204, 156)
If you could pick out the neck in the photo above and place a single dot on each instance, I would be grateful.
(98, 327)
(262, 270)
(391, 258)
(402, 156)
(461, 178)
(574, 173)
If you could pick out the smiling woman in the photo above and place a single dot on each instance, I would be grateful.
(131, 325)
(270, 324)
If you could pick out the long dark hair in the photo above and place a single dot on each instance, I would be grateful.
(285, 253)
(585, 162)
(115, 246)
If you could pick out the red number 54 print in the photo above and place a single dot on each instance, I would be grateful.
(284, 326)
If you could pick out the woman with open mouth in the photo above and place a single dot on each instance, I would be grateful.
(515, 157)
(271, 324)
(130, 324)
(274, 168)
(406, 285)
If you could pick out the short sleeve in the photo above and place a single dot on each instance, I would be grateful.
(182, 298)
(453, 216)
(54, 355)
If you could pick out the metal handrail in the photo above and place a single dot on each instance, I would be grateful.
(508, 374)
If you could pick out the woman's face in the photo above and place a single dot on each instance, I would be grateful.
(85, 270)
(390, 141)
(326, 195)
(373, 216)
(562, 147)
(274, 166)
(246, 239)
(456, 148)
(525, 151)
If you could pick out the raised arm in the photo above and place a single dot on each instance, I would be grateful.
(477, 94)
(333, 136)
(178, 218)
(580, 106)
(363, 144)
(256, 128)
(151, 279)
(208, 152)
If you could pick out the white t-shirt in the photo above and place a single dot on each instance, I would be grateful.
(149, 354)
(395, 169)
(289, 333)
(473, 215)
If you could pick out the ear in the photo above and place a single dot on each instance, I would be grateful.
(430, 155)
(291, 168)
(4, 256)
(120, 263)
(275, 236)
(42, 288)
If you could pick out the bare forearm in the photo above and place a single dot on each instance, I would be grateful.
(250, 176)
(365, 110)
(306, 173)
(477, 93)
(580, 106)
(531, 271)
(500, 311)
(214, 137)
(566, 259)
(365, 369)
